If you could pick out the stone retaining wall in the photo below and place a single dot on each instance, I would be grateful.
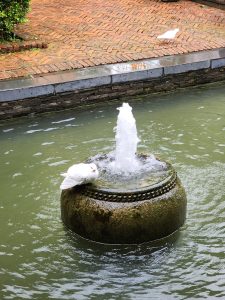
(110, 92)
(218, 1)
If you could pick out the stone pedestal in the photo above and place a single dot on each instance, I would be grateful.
(125, 218)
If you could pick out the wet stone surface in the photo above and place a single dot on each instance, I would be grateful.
(124, 222)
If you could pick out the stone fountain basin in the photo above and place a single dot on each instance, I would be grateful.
(107, 216)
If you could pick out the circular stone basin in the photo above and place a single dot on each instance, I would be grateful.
(145, 208)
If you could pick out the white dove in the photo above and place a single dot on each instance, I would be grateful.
(79, 174)
(168, 35)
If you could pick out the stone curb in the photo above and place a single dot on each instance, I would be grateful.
(70, 81)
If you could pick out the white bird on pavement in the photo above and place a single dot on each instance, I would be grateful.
(168, 35)
(79, 174)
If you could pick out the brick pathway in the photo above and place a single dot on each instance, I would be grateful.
(85, 33)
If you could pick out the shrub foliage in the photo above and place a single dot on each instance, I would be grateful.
(12, 12)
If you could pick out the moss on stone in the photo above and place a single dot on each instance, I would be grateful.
(123, 222)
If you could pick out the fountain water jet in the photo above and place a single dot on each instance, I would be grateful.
(126, 141)
(137, 198)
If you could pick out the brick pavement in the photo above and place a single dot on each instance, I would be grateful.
(83, 33)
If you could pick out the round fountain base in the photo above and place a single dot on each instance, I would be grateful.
(125, 218)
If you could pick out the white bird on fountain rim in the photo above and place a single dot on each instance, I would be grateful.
(168, 35)
(79, 174)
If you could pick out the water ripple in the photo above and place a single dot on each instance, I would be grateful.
(41, 259)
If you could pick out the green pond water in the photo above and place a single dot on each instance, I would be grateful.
(41, 259)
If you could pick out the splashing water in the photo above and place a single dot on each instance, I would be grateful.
(124, 163)
(126, 140)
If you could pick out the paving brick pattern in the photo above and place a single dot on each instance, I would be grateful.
(83, 33)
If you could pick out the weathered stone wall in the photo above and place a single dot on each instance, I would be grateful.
(124, 222)
(218, 1)
(210, 3)
(82, 98)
